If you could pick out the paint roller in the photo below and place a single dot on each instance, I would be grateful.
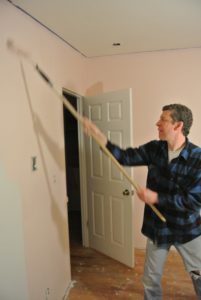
(23, 54)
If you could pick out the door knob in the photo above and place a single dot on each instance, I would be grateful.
(126, 192)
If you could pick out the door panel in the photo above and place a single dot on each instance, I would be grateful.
(110, 210)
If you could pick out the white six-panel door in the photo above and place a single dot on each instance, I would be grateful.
(109, 194)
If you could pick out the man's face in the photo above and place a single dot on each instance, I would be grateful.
(166, 126)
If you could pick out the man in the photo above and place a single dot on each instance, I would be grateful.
(174, 187)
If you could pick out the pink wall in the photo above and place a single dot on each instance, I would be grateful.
(33, 207)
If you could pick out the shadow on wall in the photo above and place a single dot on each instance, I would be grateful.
(58, 155)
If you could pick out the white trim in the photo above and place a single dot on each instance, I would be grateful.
(83, 182)
(82, 168)
(67, 291)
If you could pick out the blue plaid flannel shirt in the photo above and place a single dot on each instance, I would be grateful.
(178, 185)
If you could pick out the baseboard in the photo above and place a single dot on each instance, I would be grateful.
(67, 291)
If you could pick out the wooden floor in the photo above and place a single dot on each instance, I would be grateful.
(96, 276)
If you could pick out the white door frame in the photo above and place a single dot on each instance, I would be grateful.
(82, 170)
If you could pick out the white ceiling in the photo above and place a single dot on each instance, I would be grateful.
(92, 26)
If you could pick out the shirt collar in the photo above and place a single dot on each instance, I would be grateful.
(186, 150)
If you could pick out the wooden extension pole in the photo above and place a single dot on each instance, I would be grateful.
(72, 110)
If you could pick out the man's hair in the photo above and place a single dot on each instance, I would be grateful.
(182, 113)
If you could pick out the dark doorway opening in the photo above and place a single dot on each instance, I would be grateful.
(72, 172)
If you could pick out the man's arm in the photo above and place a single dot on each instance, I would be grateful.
(146, 195)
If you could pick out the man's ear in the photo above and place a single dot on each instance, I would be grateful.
(179, 125)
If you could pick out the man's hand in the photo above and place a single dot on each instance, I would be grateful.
(92, 130)
(148, 196)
